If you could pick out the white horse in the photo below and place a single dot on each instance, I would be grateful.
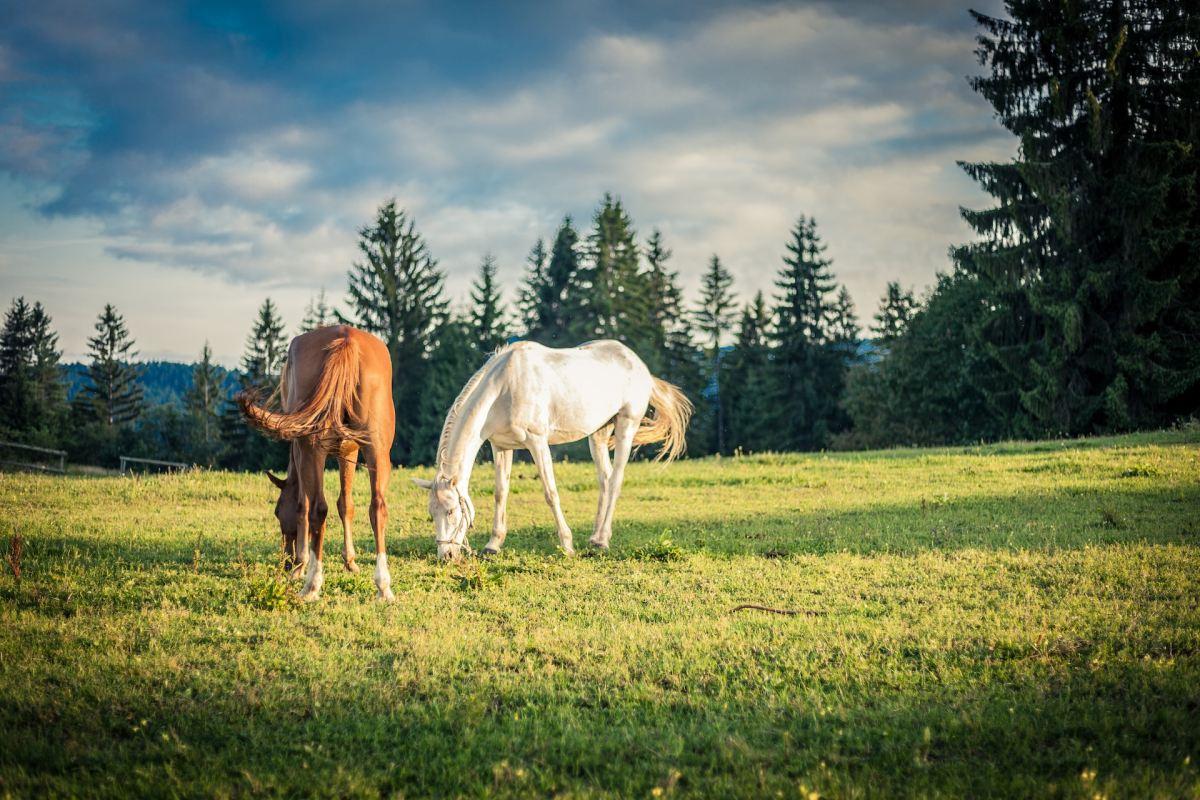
(531, 396)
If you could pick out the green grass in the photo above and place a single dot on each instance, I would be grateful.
(1014, 620)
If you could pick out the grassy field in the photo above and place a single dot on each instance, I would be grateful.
(1012, 620)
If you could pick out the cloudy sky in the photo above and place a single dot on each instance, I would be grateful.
(186, 161)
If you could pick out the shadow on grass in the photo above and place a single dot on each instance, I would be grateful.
(1129, 720)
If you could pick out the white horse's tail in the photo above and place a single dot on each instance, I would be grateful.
(668, 425)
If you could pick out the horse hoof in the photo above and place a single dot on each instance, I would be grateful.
(351, 566)
(600, 546)
(489, 551)
(385, 595)
(309, 597)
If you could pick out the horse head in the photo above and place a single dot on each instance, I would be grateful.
(287, 512)
(452, 512)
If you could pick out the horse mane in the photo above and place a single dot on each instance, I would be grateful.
(459, 402)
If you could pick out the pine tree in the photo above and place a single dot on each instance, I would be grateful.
(454, 360)
(552, 299)
(16, 372)
(896, 308)
(745, 385)
(713, 317)
(31, 387)
(261, 366)
(615, 291)
(114, 394)
(808, 374)
(843, 327)
(317, 314)
(49, 390)
(266, 350)
(1090, 255)
(489, 328)
(529, 296)
(671, 352)
(396, 292)
(666, 319)
(205, 400)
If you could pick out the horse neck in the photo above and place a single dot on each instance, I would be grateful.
(466, 436)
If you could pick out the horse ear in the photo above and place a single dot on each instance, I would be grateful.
(279, 482)
(421, 483)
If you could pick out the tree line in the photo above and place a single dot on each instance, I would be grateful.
(1075, 311)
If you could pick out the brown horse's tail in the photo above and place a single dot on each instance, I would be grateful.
(328, 415)
(668, 425)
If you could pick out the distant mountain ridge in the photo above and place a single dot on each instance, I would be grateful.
(163, 382)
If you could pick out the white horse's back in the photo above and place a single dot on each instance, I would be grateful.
(568, 393)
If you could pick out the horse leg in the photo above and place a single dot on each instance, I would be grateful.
(381, 473)
(503, 462)
(625, 430)
(303, 502)
(539, 448)
(346, 464)
(314, 488)
(598, 443)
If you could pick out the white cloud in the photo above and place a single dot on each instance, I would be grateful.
(721, 134)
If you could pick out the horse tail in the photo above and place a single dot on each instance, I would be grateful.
(328, 415)
(668, 425)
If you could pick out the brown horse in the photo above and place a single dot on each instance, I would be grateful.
(336, 395)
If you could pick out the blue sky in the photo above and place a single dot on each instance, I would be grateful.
(186, 161)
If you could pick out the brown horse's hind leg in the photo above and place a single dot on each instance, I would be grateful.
(346, 464)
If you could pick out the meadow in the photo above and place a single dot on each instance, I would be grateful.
(1012, 620)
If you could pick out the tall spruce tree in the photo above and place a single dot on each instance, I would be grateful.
(455, 358)
(16, 370)
(746, 381)
(113, 395)
(31, 386)
(844, 332)
(397, 292)
(896, 308)
(671, 352)
(205, 401)
(554, 302)
(666, 319)
(808, 374)
(714, 315)
(317, 314)
(266, 349)
(261, 365)
(488, 318)
(529, 295)
(1090, 255)
(616, 291)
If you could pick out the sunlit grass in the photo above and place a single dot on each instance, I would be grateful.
(1013, 620)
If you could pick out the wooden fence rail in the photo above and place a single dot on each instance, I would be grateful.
(61, 455)
(127, 460)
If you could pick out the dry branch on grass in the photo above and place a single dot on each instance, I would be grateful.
(791, 612)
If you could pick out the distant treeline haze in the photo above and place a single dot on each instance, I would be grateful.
(1077, 310)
